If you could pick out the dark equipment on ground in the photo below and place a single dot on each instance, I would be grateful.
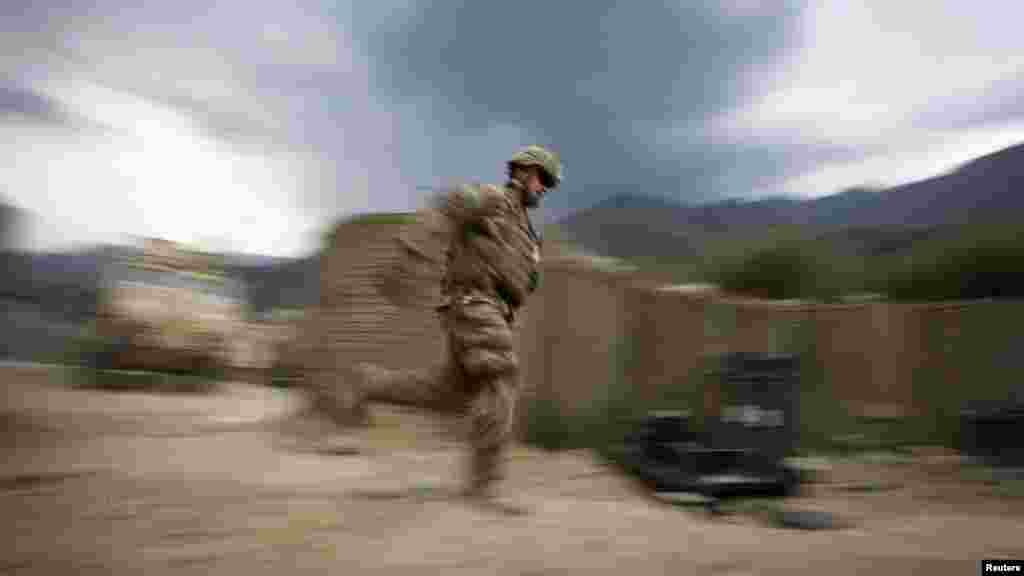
(740, 453)
(993, 434)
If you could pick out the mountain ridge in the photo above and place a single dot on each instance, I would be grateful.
(984, 189)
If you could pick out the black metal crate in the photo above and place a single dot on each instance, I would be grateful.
(759, 409)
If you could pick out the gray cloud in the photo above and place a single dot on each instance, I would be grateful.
(245, 117)
(27, 104)
(595, 80)
(351, 106)
(905, 97)
(752, 169)
(1000, 102)
(278, 83)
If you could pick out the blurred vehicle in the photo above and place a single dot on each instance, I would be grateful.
(168, 309)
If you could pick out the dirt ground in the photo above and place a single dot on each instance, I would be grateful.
(237, 483)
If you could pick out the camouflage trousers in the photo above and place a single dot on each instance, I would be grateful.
(478, 379)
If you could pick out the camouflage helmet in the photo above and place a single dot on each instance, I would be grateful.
(542, 157)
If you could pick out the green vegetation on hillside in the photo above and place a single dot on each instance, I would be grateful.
(977, 262)
(383, 218)
(951, 263)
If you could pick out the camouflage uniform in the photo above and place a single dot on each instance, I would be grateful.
(492, 266)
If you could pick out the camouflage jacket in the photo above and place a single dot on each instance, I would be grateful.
(493, 251)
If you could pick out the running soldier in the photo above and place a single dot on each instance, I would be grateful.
(492, 266)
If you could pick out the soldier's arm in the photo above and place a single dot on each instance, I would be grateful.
(471, 205)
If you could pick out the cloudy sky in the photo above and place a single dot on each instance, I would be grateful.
(250, 127)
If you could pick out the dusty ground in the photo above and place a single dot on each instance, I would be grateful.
(92, 483)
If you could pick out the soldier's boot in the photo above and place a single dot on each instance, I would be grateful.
(337, 409)
(491, 430)
(342, 400)
(482, 490)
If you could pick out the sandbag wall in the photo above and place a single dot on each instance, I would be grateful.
(354, 321)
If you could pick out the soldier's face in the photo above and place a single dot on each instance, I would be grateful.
(535, 189)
